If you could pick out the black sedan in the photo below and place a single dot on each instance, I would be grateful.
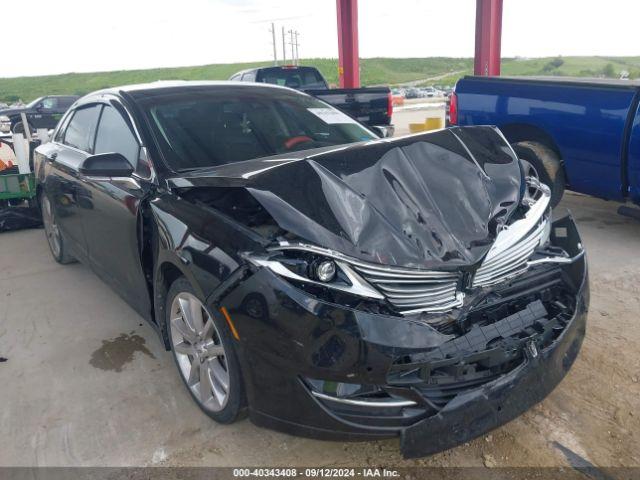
(332, 283)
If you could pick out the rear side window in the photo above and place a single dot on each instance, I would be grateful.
(293, 77)
(49, 103)
(81, 129)
(63, 126)
(249, 77)
(114, 135)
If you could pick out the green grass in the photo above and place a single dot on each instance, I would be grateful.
(374, 71)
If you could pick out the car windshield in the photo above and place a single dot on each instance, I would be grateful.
(292, 77)
(199, 128)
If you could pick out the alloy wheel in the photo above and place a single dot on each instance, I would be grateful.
(530, 171)
(50, 226)
(199, 352)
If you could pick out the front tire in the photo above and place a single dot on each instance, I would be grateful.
(56, 241)
(205, 355)
(540, 161)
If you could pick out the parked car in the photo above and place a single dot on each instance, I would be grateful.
(43, 112)
(582, 134)
(447, 91)
(430, 92)
(371, 106)
(412, 93)
(334, 284)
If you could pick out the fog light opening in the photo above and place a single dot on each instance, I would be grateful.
(325, 270)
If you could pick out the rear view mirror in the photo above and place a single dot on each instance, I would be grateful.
(106, 165)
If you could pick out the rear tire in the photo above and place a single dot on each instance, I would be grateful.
(56, 241)
(546, 164)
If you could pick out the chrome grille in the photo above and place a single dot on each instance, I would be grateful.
(514, 246)
(412, 290)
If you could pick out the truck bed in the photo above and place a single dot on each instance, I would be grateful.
(592, 124)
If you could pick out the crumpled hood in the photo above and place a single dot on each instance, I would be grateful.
(423, 201)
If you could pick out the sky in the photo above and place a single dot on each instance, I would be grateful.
(103, 35)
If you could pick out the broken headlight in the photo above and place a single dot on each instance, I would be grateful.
(311, 268)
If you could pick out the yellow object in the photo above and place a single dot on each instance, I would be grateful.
(430, 123)
(417, 127)
(434, 123)
(231, 325)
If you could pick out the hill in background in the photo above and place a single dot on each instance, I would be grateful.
(374, 71)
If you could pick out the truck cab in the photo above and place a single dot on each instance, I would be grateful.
(371, 106)
(43, 112)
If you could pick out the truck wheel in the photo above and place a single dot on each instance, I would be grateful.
(542, 162)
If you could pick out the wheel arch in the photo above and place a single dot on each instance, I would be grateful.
(165, 274)
(521, 132)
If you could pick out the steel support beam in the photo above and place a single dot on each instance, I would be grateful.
(348, 60)
(488, 37)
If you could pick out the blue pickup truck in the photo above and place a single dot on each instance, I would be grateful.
(582, 134)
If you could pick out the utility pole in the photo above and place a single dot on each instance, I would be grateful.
(284, 48)
(273, 42)
(297, 52)
(293, 51)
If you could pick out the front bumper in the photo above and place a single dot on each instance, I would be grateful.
(291, 340)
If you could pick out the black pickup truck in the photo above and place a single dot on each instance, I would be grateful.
(43, 112)
(371, 106)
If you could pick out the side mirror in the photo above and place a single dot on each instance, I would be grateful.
(382, 131)
(106, 165)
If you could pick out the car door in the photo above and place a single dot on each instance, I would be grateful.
(72, 145)
(112, 225)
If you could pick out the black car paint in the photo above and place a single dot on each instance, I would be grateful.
(139, 234)
(368, 105)
(38, 115)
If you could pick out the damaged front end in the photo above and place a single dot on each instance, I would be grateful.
(385, 302)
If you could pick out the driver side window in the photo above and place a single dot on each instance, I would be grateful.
(49, 103)
(114, 135)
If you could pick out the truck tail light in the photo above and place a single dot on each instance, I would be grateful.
(389, 105)
(453, 109)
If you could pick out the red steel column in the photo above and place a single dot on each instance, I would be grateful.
(488, 37)
(348, 60)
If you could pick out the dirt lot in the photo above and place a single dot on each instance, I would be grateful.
(87, 383)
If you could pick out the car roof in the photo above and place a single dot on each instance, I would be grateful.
(160, 86)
